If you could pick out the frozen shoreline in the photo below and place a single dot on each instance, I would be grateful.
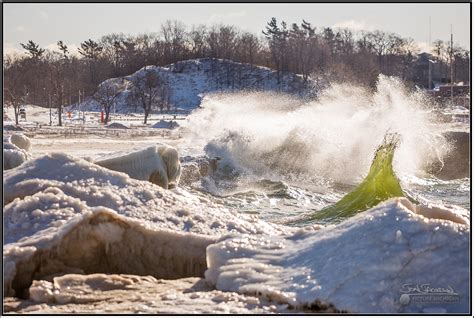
(68, 220)
(56, 201)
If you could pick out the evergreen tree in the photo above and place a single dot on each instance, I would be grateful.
(33, 49)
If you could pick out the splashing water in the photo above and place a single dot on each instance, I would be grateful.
(379, 185)
(282, 138)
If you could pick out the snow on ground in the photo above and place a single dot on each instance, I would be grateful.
(190, 80)
(15, 150)
(37, 116)
(92, 139)
(365, 264)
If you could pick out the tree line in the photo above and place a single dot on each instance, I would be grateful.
(55, 77)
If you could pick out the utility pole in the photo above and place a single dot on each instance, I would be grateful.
(79, 104)
(50, 117)
(429, 49)
(452, 68)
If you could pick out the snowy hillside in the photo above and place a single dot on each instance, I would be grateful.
(190, 80)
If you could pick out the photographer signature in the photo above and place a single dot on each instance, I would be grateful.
(426, 289)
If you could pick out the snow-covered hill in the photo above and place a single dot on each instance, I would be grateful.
(189, 81)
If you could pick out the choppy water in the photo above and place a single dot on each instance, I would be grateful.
(287, 159)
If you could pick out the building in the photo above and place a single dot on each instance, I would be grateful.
(421, 74)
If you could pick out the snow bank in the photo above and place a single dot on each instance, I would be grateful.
(365, 264)
(67, 215)
(117, 126)
(158, 164)
(166, 124)
(13, 158)
(15, 151)
(21, 141)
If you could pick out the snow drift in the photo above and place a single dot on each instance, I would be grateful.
(360, 265)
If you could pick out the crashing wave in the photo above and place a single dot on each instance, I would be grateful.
(379, 185)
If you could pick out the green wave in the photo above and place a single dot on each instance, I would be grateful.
(379, 185)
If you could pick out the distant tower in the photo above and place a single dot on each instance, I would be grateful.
(429, 52)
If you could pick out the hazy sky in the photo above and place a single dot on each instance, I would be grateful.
(74, 23)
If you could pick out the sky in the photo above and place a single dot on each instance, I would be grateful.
(73, 23)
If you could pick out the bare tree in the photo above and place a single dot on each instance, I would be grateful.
(174, 35)
(106, 95)
(56, 83)
(379, 42)
(146, 91)
(14, 98)
(197, 40)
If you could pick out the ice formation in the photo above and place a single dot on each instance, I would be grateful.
(21, 141)
(166, 124)
(77, 233)
(67, 215)
(158, 164)
(360, 265)
(99, 293)
(15, 151)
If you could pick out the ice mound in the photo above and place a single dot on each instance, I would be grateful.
(67, 215)
(101, 241)
(364, 264)
(21, 141)
(15, 151)
(163, 124)
(117, 126)
(196, 168)
(157, 164)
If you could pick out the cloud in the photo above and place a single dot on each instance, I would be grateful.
(20, 28)
(10, 49)
(424, 47)
(354, 25)
(222, 18)
(43, 15)
(72, 48)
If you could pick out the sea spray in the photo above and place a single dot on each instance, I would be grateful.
(380, 184)
(279, 137)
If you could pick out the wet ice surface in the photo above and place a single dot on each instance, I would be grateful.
(100, 293)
